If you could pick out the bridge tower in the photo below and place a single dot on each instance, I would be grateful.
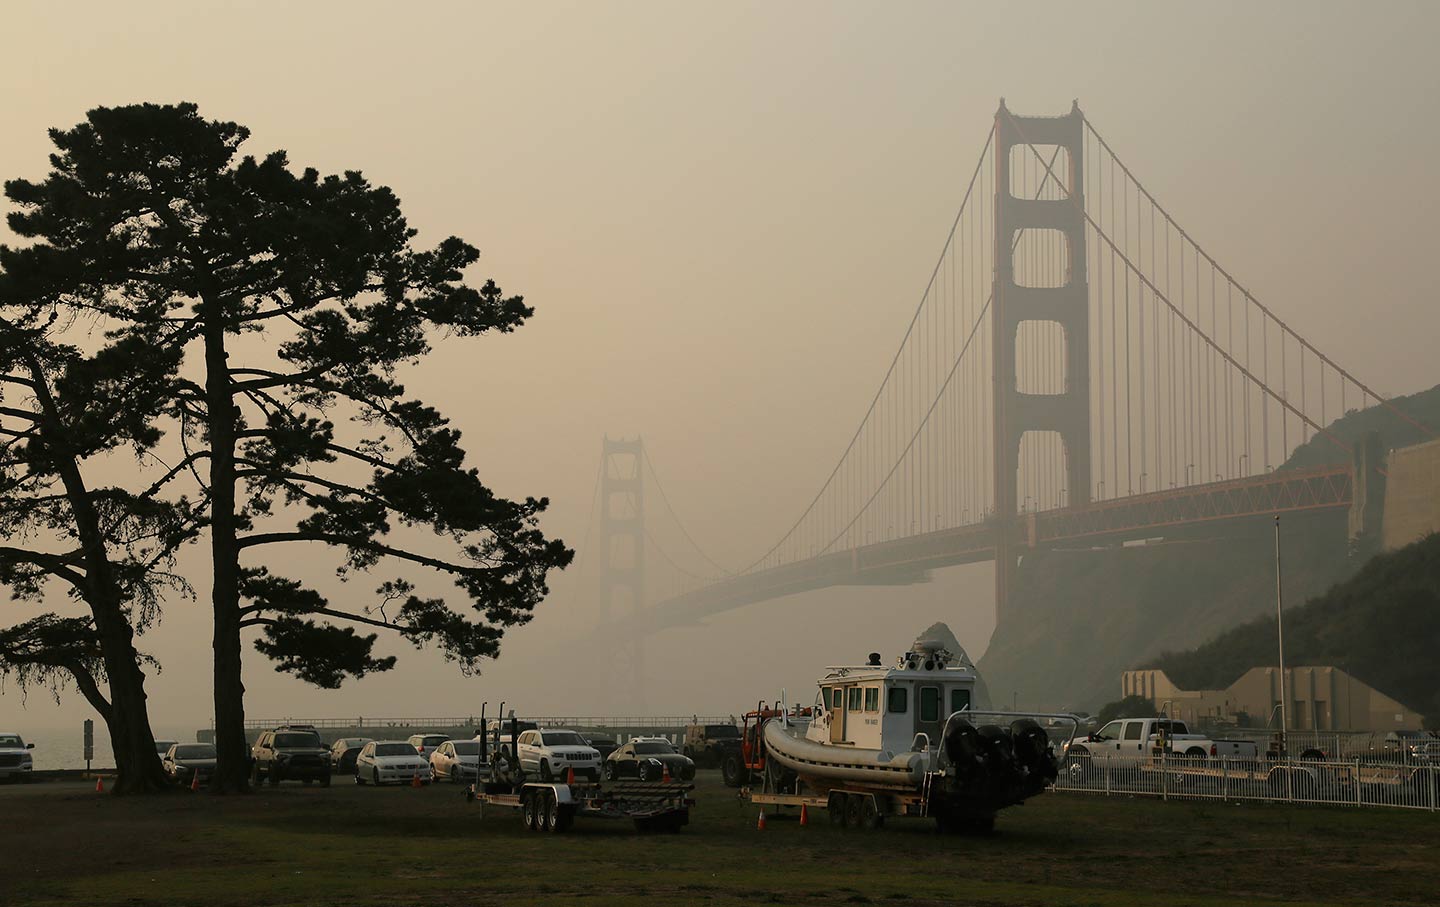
(622, 548)
(1066, 412)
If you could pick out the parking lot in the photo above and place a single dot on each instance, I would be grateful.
(401, 846)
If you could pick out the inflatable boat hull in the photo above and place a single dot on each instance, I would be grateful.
(836, 764)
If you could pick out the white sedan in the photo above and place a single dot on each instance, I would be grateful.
(550, 754)
(390, 761)
(456, 760)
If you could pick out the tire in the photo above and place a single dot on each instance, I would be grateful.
(545, 774)
(454, 775)
(550, 815)
(854, 811)
(732, 771)
(255, 775)
(870, 816)
(530, 811)
(272, 778)
(836, 809)
(359, 780)
(648, 772)
(611, 773)
(1078, 768)
(376, 776)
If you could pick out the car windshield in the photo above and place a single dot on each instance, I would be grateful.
(394, 749)
(297, 740)
(653, 749)
(563, 738)
(195, 751)
(11, 740)
(721, 730)
(433, 740)
(467, 748)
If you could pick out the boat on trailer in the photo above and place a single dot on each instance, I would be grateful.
(905, 739)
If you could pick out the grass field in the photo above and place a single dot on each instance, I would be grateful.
(360, 846)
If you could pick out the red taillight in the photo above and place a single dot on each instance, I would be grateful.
(1213, 750)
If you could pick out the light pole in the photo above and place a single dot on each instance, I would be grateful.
(1280, 634)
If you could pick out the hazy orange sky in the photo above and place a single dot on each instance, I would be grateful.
(724, 215)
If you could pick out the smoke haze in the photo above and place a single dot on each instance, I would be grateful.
(724, 216)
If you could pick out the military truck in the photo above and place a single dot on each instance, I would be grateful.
(708, 744)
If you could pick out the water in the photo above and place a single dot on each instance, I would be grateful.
(65, 747)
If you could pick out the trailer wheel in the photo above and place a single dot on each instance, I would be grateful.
(530, 810)
(732, 771)
(836, 808)
(854, 811)
(550, 814)
(870, 815)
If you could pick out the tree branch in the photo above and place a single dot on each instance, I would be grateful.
(271, 538)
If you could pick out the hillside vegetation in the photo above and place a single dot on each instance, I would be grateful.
(1077, 618)
(1382, 625)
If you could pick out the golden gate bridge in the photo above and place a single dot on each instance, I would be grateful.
(1078, 369)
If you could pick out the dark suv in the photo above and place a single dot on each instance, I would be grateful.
(290, 753)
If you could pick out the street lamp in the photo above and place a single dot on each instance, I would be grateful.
(1280, 636)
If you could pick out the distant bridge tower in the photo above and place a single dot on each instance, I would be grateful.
(622, 549)
(1064, 302)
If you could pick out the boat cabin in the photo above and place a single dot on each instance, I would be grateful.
(871, 706)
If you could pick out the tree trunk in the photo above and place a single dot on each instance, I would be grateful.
(232, 762)
(128, 719)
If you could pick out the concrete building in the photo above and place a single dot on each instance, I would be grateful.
(1321, 699)
(1412, 494)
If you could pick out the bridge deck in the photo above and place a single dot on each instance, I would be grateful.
(908, 560)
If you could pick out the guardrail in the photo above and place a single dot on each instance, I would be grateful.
(549, 721)
(1353, 782)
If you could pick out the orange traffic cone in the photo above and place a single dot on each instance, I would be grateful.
(570, 774)
(99, 785)
(195, 780)
(761, 824)
(665, 773)
(415, 780)
(804, 814)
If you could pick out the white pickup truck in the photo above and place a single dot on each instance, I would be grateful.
(1136, 738)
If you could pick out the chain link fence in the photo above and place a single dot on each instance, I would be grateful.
(1354, 782)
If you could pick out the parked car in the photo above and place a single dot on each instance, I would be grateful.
(290, 753)
(551, 753)
(343, 753)
(647, 758)
(707, 744)
(183, 762)
(603, 744)
(424, 743)
(15, 758)
(390, 761)
(456, 760)
(1407, 746)
(163, 746)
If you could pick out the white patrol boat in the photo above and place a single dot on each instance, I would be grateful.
(904, 733)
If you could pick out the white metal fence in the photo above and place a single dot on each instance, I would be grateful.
(1341, 783)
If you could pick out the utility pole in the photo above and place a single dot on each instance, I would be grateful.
(1280, 628)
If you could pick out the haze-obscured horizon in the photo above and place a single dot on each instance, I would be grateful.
(724, 216)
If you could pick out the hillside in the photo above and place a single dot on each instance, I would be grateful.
(1078, 618)
(1382, 625)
